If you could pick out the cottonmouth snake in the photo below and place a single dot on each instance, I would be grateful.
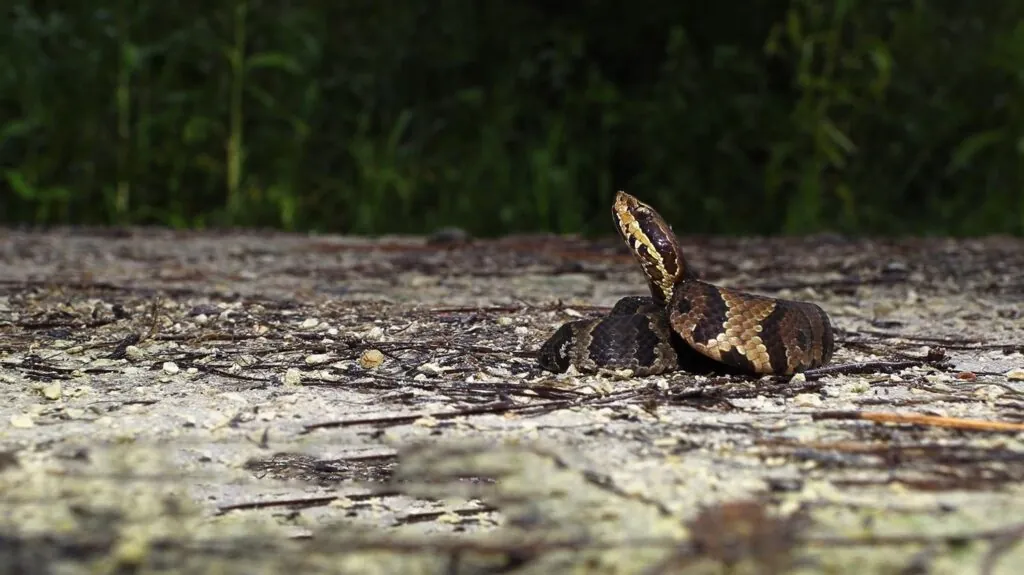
(688, 324)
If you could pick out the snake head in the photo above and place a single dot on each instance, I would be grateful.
(653, 244)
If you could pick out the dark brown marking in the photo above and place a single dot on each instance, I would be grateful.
(634, 304)
(686, 321)
(776, 345)
(736, 359)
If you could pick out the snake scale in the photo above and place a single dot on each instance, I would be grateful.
(686, 323)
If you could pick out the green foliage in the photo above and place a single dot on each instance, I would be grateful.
(374, 116)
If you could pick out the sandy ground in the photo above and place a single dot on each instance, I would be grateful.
(248, 402)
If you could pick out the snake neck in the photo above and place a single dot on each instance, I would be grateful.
(653, 244)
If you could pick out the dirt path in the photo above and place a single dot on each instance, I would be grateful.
(247, 403)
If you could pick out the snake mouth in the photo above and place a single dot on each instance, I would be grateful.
(652, 243)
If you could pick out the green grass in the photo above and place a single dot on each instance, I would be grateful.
(383, 117)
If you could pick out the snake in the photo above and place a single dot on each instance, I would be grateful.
(687, 324)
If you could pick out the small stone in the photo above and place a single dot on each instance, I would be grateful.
(171, 368)
(342, 502)
(451, 518)
(912, 297)
(798, 378)
(375, 333)
(52, 391)
(310, 323)
(234, 396)
(292, 377)
(521, 330)
(371, 359)
(807, 400)
(1016, 374)
(421, 280)
(22, 421)
(990, 392)
(317, 358)
(897, 267)
(504, 321)
(967, 376)
(426, 421)
(204, 309)
(431, 368)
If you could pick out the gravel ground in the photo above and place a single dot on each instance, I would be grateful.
(255, 402)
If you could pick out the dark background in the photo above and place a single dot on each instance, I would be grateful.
(374, 116)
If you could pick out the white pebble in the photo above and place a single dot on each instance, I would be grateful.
(1016, 374)
(170, 368)
(292, 377)
(371, 359)
(317, 358)
(807, 400)
(431, 368)
(52, 391)
(22, 421)
(989, 392)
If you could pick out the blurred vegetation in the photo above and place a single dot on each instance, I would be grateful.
(374, 116)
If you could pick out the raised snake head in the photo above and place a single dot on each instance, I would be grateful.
(653, 244)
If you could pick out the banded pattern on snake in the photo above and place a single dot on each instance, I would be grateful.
(687, 323)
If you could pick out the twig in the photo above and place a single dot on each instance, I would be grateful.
(494, 408)
(295, 503)
(860, 368)
(918, 419)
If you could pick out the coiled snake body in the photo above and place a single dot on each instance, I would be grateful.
(687, 323)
